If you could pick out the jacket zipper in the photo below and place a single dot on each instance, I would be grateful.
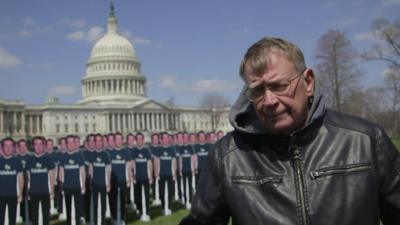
(300, 183)
(253, 181)
(342, 170)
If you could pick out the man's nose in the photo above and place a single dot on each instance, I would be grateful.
(270, 99)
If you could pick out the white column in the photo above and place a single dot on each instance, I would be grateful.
(1, 121)
(114, 126)
(106, 127)
(22, 130)
(156, 121)
(37, 124)
(14, 122)
(142, 115)
(31, 124)
(167, 121)
(137, 121)
(123, 127)
(135, 86)
(162, 121)
(152, 118)
(148, 121)
(129, 87)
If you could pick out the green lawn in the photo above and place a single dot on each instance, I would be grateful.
(396, 142)
(178, 212)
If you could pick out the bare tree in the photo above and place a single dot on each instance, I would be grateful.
(337, 71)
(387, 49)
(392, 84)
(216, 105)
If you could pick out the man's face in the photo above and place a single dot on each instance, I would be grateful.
(140, 140)
(49, 146)
(91, 142)
(154, 140)
(211, 137)
(192, 138)
(180, 139)
(202, 138)
(105, 142)
(77, 143)
(8, 148)
(131, 140)
(165, 139)
(185, 138)
(284, 113)
(99, 142)
(119, 141)
(38, 146)
(71, 144)
(63, 145)
(110, 140)
(23, 148)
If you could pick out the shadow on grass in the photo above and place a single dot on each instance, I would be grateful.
(154, 213)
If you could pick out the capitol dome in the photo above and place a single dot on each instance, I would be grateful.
(113, 73)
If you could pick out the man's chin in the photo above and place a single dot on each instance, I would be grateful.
(278, 126)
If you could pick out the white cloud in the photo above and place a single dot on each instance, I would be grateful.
(364, 36)
(74, 23)
(92, 35)
(29, 21)
(62, 90)
(167, 82)
(390, 2)
(199, 86)
(7, 59)
(76, 36)
(137, 40)
(31, 27)
(24, 33)
(214, 85)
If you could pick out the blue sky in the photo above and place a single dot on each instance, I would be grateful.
(187, 48)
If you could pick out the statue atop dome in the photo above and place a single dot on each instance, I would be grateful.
(112, 12)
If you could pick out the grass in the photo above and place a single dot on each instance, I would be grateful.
(178, 212)
(396, 142)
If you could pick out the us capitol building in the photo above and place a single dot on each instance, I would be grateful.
(114, 99)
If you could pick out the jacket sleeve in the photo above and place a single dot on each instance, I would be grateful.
(208, 205)
(389, 171)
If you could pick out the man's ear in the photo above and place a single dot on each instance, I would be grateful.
(309, 81)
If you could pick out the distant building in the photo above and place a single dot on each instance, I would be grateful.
(114, 99)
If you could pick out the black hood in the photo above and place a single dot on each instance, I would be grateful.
(244, 119)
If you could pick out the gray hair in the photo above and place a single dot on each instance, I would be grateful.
(259, 53)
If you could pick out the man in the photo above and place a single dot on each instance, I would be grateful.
(100, 173)
(23, 155)
(89, 154)
(50, 152)
(290, 160)
(11, 181)
(167, 173)
(187, 164)
(60, 199)
(130, 139)
(40, 169)
(154, 148)
(73, 176)
(201, 149)
(143, 176)
(121, 177)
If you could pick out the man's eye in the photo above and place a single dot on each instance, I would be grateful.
(257, 91)
(278, 87)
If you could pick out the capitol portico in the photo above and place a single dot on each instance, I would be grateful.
(114, 100)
